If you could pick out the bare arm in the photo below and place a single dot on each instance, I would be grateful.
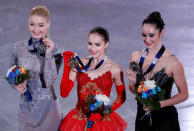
(131, 75)
(180, 81)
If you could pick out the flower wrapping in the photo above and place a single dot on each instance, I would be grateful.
(17, 75)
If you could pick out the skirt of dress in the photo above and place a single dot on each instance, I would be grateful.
(165, 119)
(76, 121)
(47, 118)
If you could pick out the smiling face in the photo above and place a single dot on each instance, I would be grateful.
(151, 36)
(96, 45)
(38, 26)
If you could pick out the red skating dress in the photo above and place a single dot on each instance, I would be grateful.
(76, 119)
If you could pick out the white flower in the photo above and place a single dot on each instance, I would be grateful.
(10, 70)
(150, 84)
(103, 98)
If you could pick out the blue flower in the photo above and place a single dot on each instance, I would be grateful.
(149, 91)
(144, 95)
(92, 107)
(12, 76)
(95, 104)
(108, 107)
(17, 71)
(158, 88)
(101, 103)
(154, 91)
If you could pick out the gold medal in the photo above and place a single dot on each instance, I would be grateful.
(73, 62)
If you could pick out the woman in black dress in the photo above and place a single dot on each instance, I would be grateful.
(159, 63)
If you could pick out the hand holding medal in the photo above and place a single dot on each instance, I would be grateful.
(48, 44)
(73, 62)
(70, 61)
(134, 66)
(132, 72)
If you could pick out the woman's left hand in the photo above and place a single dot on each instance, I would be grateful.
(49, 45)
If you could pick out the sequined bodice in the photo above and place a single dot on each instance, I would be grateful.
(168, 87)
(42, 71)
(86, 86)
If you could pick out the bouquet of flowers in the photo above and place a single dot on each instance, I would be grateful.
(149, 94)
(17, 75)
(99, 106)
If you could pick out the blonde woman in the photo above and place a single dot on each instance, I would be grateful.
(41, 56)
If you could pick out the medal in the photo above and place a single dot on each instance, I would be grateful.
(134, 66)
(75, 62)
(37, 47)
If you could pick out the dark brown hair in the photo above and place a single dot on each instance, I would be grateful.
(102, 32)
(156, 19)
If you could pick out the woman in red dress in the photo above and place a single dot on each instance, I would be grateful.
(98, 77)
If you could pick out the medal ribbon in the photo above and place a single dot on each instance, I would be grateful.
(157, 57)
(35, 49)
(85, 68)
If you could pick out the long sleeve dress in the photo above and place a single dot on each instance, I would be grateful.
(76, 119)
(43, 113)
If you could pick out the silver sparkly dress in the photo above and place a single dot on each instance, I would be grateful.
(43, 113)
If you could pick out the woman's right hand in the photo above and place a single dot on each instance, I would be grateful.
(21, 88)
(131, 75)
(147, 109)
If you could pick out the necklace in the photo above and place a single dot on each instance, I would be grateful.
(157, 57)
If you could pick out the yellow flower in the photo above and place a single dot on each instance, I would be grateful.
(22, 70)
(145, 89)
(140, 89)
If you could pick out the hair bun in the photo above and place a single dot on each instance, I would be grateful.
(41, 11)
(155, 14)
(155, 18)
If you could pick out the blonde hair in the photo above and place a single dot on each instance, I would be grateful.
(41, 11)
